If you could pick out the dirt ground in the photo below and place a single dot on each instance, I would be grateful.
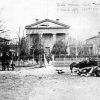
(46, 84)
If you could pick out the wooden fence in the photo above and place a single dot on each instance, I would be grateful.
(65, 62)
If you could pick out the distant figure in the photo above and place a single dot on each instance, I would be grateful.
(42, 58)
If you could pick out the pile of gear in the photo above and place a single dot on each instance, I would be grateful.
(89, 71)
(86, 68)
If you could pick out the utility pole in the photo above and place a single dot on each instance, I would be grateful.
(19, 40)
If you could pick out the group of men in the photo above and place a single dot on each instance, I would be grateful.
(7, 62)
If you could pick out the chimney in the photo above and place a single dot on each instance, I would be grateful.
(37, 20)
(57, 20)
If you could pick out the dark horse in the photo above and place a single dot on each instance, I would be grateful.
(82, 64)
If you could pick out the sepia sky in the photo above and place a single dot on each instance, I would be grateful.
(82, 15)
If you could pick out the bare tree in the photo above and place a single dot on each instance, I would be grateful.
(59, 48)
(3, 29)
(3, 32)
(21, 44)
(37, 49)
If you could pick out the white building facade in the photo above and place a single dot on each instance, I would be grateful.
(49, 31)
(95, 41)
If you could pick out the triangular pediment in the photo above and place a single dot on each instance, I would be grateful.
(47, 23)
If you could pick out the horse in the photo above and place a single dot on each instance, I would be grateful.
(82, 64)
(74, 64)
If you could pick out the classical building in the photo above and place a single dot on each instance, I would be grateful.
(48, 31)
(95, 41)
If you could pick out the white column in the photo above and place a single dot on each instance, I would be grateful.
(40, 35)
(40, 41)
(65, 37)
(68, 50)
(54, 38)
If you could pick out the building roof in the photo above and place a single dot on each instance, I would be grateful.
(3, 39)
(92, 38)
(44, 24)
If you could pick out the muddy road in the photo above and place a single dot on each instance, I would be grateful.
(46, 84)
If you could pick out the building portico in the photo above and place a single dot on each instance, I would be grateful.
(48, 31)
